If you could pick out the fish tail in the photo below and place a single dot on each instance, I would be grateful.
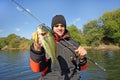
(34, 37)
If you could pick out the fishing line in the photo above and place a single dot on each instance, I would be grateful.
(26, 10)
(99, 66)
(42, 24)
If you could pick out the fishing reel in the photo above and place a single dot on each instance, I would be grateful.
(74, 60)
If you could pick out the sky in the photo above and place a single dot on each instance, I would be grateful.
(78, 12)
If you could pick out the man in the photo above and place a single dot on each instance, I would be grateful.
(70, 55)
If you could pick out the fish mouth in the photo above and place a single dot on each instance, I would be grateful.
(43, 33)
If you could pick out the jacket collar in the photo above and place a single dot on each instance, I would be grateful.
(58, 38)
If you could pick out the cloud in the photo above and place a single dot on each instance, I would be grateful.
(17, 29)
(28, 10)
(1, 30)
(26, 22)
(21, 9)
(76, 20)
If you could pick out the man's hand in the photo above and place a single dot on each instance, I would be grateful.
(81, 52)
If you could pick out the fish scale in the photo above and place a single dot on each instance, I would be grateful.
(48, 41)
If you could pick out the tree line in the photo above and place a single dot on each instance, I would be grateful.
(104, 30)
(14, 41)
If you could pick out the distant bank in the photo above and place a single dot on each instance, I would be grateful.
(109, 47)
(101, 47)
(9, 48)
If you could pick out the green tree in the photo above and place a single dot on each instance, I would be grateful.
(76, 34)
(93, 33)
(111, 26)
(2, 42)
(25, 43)
(106, 29)
(14, 41)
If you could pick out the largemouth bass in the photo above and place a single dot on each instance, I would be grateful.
(48, 41)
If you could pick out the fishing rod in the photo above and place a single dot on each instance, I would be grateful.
(99, 66)
(26, 10)
(20, 6)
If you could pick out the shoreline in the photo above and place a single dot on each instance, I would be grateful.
(101, 47)
(5, 49)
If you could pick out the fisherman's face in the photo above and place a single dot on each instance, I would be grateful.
(59, 29)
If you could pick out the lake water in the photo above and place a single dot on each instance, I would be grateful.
(14, 65)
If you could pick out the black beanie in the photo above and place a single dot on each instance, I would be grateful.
(58, 19)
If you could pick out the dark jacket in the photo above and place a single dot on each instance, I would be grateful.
(67, 61)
